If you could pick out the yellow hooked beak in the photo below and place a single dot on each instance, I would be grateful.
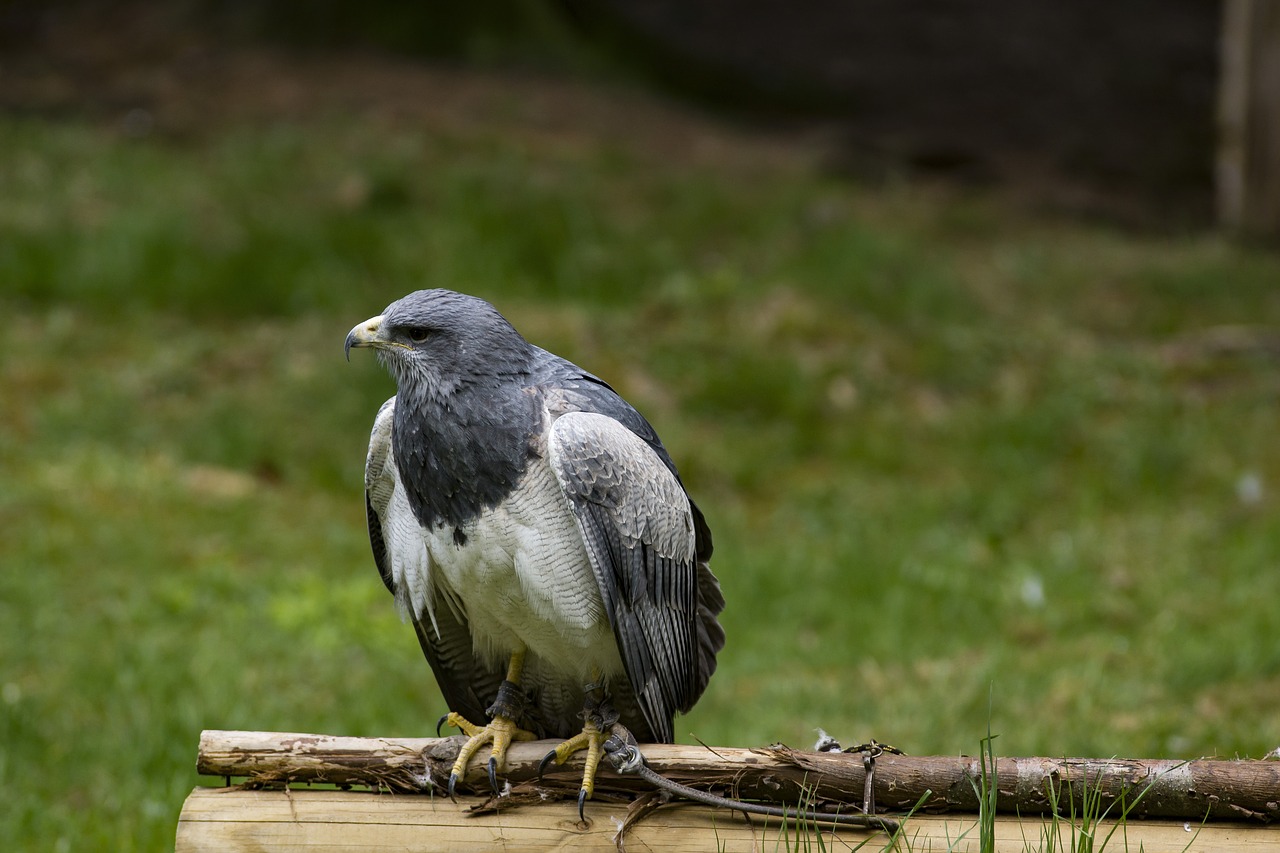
(366, 334)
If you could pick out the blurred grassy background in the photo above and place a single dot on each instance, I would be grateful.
(964, 462)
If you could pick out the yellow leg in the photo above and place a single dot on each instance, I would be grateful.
(591, 738)
(500, 732)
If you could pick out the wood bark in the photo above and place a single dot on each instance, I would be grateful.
(1240, 790)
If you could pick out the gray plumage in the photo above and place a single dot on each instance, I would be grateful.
(516, 500)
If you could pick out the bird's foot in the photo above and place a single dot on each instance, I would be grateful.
(598, 720)
(500, 732)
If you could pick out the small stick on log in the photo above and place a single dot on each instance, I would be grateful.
(1185, 790)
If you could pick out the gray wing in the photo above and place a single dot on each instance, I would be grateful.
(379, 487)
(642, 537)
(442, 631)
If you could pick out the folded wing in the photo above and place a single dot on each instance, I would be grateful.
(639, 528)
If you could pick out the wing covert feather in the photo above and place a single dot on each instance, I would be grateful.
(379, 486)
(639, 528)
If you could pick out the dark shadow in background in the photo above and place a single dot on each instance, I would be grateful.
(1094, 107)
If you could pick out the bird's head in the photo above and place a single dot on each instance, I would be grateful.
(438, 341)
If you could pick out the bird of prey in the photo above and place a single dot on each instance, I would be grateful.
(534, 530)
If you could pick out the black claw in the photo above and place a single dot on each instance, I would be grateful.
(439, 723)
(453, 782)
(546, 759)
(582, 802)
(493, 775)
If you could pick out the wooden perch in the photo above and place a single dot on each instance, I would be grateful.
(216, 820)
(1244, 790)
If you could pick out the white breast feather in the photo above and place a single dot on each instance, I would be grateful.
(522, 578)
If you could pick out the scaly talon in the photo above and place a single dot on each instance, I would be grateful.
(463, 725)
(493, 775)
(590, 739)
(499, 733)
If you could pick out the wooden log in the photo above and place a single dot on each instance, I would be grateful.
(1186, 790)
(231, 820)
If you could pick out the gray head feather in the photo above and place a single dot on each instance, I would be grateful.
(464, 420)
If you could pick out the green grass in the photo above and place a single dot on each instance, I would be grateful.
(956, 456)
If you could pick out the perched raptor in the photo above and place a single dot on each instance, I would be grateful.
(534, 530)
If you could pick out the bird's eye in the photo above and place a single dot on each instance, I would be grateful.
(417, 334)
